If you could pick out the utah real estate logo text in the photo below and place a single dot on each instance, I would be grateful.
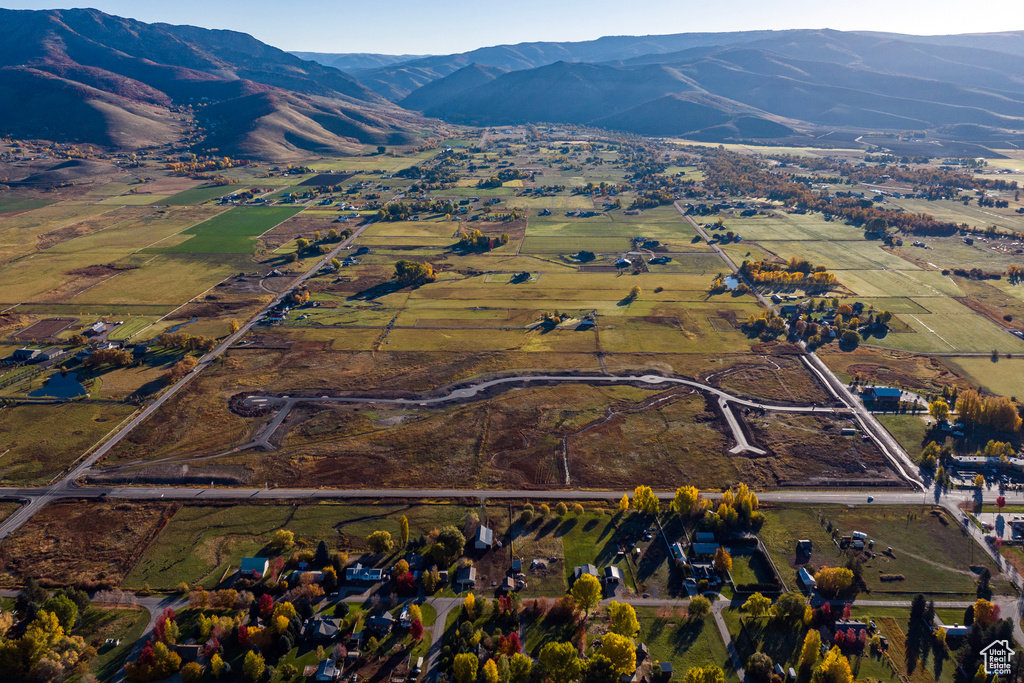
(997, 656)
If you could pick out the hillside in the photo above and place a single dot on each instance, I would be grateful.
(86, 76)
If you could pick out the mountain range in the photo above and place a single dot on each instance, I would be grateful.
(714, 86)
(86, 76)
(89, 77)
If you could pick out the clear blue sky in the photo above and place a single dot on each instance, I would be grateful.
(446, 26)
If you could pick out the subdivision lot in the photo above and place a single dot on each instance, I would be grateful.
(200, 544)
(39, 440)
(931, 554)
(72, 542)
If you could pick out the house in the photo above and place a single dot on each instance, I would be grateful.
(382, 623)
(806, 579)
(804, 547)
(357, 573)
(403, 618)
(328, 671)
(887, 396)
(584, 569)
(508, 585)
(612, 574)
(956, 631)
(666, 670)
(319, 628)
(254, 567)
(190, 652)
(466, 577)
(484, 538)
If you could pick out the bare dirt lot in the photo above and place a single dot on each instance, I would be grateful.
(82, 543)
(45, 328)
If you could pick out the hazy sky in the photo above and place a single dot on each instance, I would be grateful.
(445, 26)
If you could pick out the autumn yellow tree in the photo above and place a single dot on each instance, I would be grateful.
(835, 668)
(758, 605)
(833, 580)
(623, 619)
(621, 651)
(586, 590)
(687, 501)
(723, 560)
(644, 500)
(811, 650)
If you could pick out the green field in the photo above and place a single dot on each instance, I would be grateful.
(129, 329)
(231, 232)
(9, 204)
(38, 441)
(197, 195)
(1005, 377)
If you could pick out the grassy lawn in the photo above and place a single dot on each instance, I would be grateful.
(929, 549)
(99, 623)
(593, 539)
(909, 430)
(684, 642)
(200, 544)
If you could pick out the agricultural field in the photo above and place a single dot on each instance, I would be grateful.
(231, 232)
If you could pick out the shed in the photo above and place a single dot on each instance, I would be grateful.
(804, 547)
(484, 538)
(704, 537)
(806, 579)
(612, 574)
(254, 567)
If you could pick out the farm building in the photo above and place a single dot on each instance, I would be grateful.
(704, 549)
(804, 547)
(25, 354)
(484, 538)
(254, 567)
(677, 552)
(883, 395)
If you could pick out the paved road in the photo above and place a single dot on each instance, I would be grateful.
(66, 483)
(892, 450)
